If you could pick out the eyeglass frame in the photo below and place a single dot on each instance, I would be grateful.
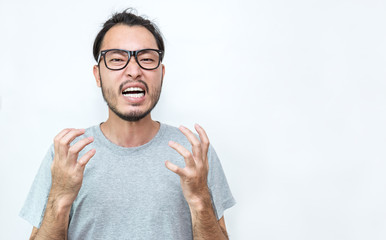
(130, 54)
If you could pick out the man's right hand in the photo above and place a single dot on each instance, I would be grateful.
(66, 169)
(67, 176)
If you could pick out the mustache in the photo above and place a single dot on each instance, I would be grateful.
(131, 81)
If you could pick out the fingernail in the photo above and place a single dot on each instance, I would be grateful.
(91, 138)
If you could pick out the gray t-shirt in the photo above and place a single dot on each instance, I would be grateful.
(128, 193)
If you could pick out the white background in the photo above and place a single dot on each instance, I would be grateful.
(291, 93)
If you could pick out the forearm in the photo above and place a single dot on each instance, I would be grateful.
(67, 176)
(55, 221)
(204, 222)
(194, 185)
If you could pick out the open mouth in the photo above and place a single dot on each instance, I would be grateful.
(134, 92)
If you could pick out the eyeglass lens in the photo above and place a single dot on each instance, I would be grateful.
(117, 59)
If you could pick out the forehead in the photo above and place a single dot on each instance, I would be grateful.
(129, 38)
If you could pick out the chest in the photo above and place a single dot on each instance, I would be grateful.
(130, 185)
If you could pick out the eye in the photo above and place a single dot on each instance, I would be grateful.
(116, 60)
(116, 56)
(148, 57)
(147, 60)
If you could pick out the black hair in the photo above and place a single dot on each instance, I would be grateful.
(128, 18)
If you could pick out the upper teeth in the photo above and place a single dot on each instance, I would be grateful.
(129, 89)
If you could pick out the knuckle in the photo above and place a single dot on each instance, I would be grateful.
(199, 166)
(196, 144)
(57, 140)
(79, 164)
(187, 155)
(72, 150)
(62, 142)
(88, 154)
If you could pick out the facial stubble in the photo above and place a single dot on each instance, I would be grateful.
(135, 115)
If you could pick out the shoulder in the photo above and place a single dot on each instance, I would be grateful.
(173, 134)
(170, 130)
(89, 132)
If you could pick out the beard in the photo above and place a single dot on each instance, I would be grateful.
(136, 115)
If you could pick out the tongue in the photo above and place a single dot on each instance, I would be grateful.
(133, 92)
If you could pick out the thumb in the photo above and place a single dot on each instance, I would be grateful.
(174, 168)
(85, 158)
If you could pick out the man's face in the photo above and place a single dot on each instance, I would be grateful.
(143, 87)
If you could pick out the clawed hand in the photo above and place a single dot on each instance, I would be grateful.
(66, 169)
(194, 175)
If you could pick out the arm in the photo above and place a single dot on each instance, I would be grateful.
(205, 224)
(33, 234)
(67, 176)
(194, 185)
(221, 222)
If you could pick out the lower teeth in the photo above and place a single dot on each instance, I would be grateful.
(136, 95)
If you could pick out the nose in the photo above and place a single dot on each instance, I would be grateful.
(133, 69)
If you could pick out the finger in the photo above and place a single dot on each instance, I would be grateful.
(74, 150)
(64, 142)
(189, 161)
(71, 135)
(85, 158)
(196, 144)
(59, 136)
(174, 168)
(204, 139)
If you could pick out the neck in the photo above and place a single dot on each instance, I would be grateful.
(129, 134)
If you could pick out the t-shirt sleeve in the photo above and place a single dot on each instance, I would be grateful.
(35, 204)
(222, 197)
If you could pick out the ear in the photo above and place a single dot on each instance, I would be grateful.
(163, 74)
(97, 75)
(163, 71)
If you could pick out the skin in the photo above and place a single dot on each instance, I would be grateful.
(193, 178)
(67, 172)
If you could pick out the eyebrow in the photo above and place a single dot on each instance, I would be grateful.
(118, 51)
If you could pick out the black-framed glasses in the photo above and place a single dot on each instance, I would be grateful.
(117, 59)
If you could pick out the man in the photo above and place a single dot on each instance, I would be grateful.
(110, 181)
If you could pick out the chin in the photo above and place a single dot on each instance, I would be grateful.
(131, 116)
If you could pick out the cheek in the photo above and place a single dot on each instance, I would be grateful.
(156, 84)
(109, 78)
(156, 78)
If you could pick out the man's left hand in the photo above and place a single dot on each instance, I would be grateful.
(195, 173)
